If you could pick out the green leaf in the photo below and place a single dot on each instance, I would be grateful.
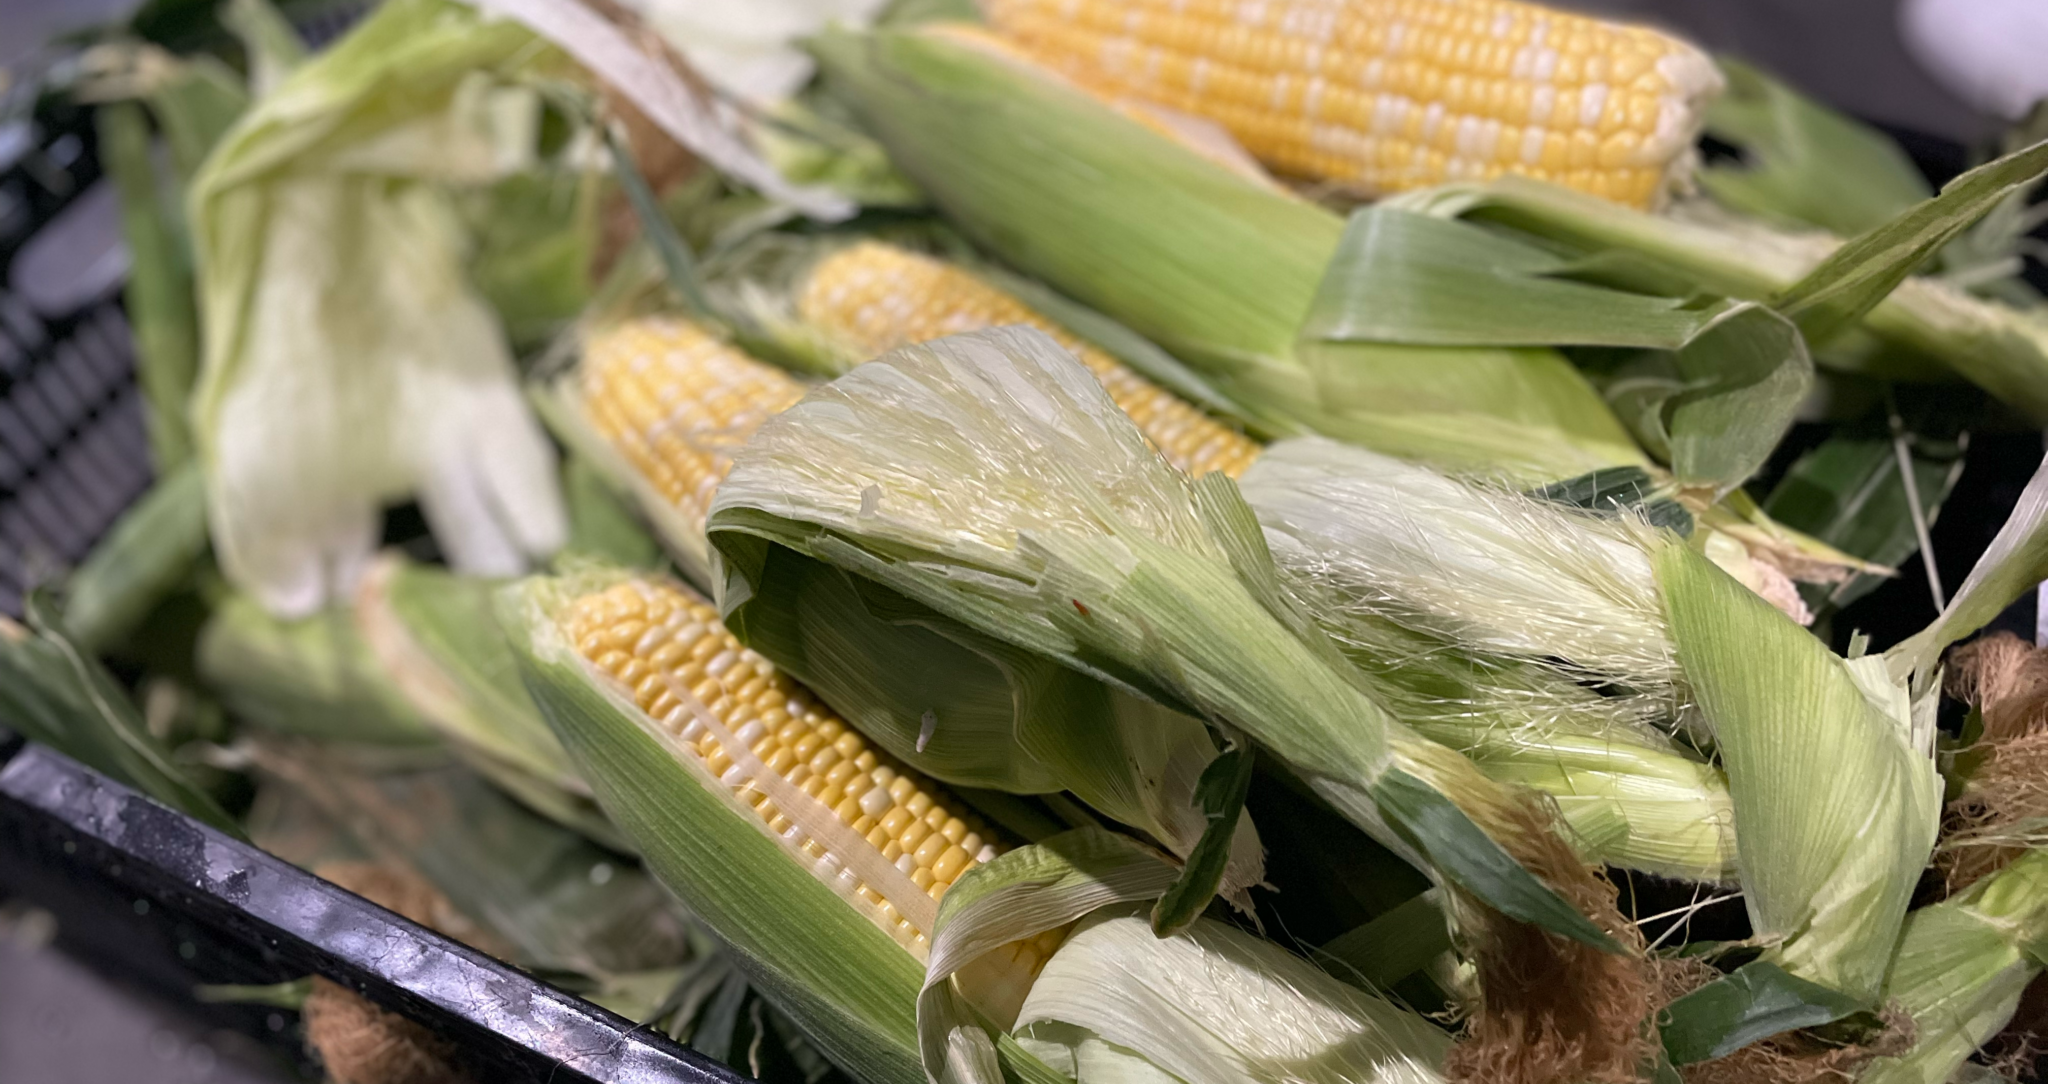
(1404, 277)
(53, 692)
(436, 636)
(1756, 1001)
(1220, 794)
(1469, 857)
(1744, 375)
(1394, 945)
(2012, 565)
(195, 104)
(1000, 717)
(1802, 162)
(313, 677)
(602, 524)
(158, 295)
(1848, 493)
(268, 40)
(147, 554)
(536, 241)
(678, 263)
(1924, 331)
(1733, 374)
(1613, 490)
(1863, 272)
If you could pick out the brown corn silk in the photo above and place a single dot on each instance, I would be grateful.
(2006, 798)
(876, 297)
(1551, 1008)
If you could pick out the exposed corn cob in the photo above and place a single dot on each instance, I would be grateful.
(675, 401)
(1389, 95)
(878, 297)
(669, 648)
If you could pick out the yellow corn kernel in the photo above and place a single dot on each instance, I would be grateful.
(676, 402)
(878, 297)
(1447, 74)
(899, 808)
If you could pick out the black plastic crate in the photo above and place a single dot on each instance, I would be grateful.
(73, 450)
(168, 903)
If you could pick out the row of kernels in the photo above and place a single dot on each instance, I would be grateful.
(888, 297)
(602, 623)
(675, 401)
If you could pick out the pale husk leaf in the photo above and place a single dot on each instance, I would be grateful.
(1835, 794)
(1215, 1005)
(989, 477)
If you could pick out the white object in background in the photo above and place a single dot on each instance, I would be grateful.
(747, 48)
(1988, 52)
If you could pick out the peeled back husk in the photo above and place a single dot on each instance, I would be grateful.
(988, 477)
(1829, 776)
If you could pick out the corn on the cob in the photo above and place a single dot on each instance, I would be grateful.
(877, 297)
(666, 645)
(1389, 95)
(675, 401)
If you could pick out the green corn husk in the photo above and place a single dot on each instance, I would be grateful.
(1633, 797)
(1216, 269)
(1207, 1005)
(1199, 1008)
(1803, 163)
(862, 998)
(850, 986)
(1961, 967)
(144, 557)
(158, 294)
(961, 707)
(989, 478)
(314, 677)
(435, 637)
(1829, 773)
(2012, 565)
(1224, 274)
(53, 692)
(1892, 325)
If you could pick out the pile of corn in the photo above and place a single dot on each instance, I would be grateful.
(1233, 565)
